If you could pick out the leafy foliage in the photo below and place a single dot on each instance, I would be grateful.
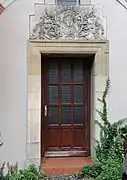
(109, 149)
(30, 173)
(110, 169)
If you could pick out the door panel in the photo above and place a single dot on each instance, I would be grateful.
(78, 115)
(78, 134)
(66, 137)
(78, 71)
(66, 86)
(53, 117)
(53, 94)
(66, 94)
(66, 115)
(78, 94)
(53, 137)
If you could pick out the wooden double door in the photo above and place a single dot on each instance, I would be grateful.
(66, 105)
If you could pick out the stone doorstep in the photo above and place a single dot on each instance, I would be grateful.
(62, 166)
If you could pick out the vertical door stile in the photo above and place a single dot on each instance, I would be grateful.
(59, 102)
(72, 102)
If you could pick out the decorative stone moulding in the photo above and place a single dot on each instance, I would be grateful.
(68, 22)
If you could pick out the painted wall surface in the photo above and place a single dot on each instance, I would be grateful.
(14, 28)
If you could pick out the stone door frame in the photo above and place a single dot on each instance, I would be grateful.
(100, 73)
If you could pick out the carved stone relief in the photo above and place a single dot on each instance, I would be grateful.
(68, 22)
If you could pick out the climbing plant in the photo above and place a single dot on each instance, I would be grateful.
(109, 149)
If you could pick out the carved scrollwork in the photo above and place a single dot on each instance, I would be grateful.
(67, 22)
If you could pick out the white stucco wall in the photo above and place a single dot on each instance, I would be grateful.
(13, 76)
(14, 29)
(117, 36)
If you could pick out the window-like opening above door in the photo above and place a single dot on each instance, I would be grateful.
(66, 2)
(72, 2)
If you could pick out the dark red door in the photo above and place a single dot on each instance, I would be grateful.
(66, 105)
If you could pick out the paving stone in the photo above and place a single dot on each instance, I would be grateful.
(65, 177)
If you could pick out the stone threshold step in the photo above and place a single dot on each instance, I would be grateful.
(65, 165)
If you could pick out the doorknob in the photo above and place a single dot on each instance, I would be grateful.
(45, 110)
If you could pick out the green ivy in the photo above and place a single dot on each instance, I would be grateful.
(109, 149)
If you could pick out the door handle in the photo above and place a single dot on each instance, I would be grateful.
(45, 110)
